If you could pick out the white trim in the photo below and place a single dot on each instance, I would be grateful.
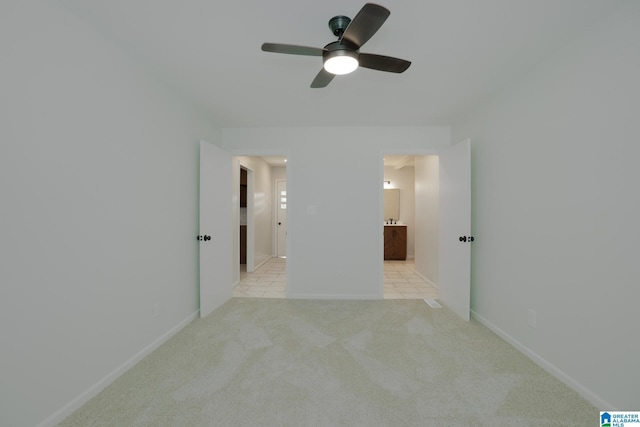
(264, 262)
(251, 221)
(583, 391)
(381, 223)
(236, 166)
(85, 396)
(429, 282)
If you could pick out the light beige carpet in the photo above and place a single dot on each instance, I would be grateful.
(276, 362)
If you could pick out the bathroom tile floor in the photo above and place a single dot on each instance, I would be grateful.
(269, 281)
(402, 282)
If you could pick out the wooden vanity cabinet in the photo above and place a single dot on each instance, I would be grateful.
(395, 242)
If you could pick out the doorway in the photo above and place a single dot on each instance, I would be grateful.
(245, 243)
(258, 270)
(448, 195)
(410, 246)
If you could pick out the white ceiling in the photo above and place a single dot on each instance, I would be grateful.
(461, 52)
(395, 161)
(398, 161)
(278, 161)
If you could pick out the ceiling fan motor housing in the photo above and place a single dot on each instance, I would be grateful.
(339, 48)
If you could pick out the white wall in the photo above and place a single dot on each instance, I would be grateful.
(278, 172)
(427, 208)
(556, 207)
(98, 186)
(404, 180)
(334, 200)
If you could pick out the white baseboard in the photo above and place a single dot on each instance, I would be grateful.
(85, 396)
(264, 261)
(429, 282)
(583, 391)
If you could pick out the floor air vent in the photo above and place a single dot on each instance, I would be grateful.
(432, 303)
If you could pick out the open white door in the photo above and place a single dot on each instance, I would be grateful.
(216, 222)
(455, 228)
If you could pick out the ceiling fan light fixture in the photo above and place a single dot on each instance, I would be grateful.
(343, 56)
(341, 62)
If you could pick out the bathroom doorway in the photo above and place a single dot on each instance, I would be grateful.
(442, 229)
(410, 250)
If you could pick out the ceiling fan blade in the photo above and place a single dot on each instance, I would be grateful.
(383, 63)
(322, 79)
(365, 24)
(292, 49)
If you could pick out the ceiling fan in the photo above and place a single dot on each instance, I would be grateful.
(343, 56)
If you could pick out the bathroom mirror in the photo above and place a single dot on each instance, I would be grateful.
(391, 203)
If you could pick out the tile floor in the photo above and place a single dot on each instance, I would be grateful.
(402, 282)
(269, 281)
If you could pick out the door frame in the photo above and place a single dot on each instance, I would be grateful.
(276, 202)
(250, 219)
(256, 152)
(383, 152)
(417, 152)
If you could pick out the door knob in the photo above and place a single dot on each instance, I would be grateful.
(465, 239)
(279, 223)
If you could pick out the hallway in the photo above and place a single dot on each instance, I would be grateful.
(269, 281)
